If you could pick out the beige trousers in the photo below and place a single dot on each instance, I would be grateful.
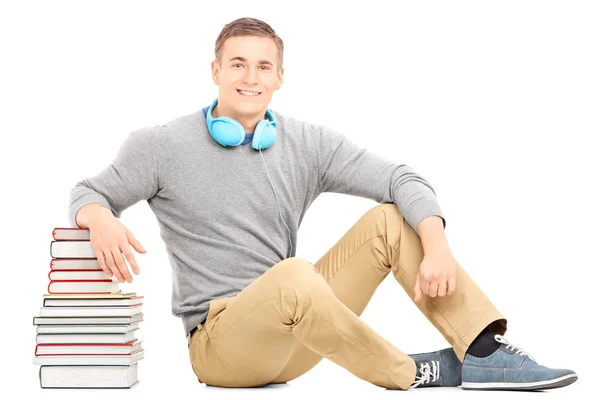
(296, 313)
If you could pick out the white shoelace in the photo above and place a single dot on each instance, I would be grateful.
(427, 373)
(502, 339)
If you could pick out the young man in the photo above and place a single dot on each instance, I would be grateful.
(229, 186)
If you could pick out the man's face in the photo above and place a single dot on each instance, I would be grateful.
(248, 63)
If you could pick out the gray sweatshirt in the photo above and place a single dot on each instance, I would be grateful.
(215, 206)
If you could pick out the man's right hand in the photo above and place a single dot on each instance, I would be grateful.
(110, 240)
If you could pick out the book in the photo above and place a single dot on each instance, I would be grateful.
(74, 263)
(89, 376)
(97, 349)
(115, 311)
(72, 249)
(70, 233)
(94, 286)
(86, 328)
(114, 295)
(89, 360)
(87, 320)
(43, 329)
(93, 302)
(87, 338)
(79, 275)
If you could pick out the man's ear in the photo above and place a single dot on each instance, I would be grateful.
(280, 79)
(215, 72)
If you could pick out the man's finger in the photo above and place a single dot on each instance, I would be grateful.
(134, 242)
(120, 261)
(433, 289)
(425, 286)
(451, 285)
(417, 289)
(131, 260)
(113, 267)
(102, 262)
(442, 286)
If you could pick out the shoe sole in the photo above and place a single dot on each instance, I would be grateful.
(539, 385)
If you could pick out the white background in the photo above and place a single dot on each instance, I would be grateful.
(495, 103)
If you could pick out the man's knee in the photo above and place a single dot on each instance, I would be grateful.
(387, 214)
(294, 267)
(298, 274)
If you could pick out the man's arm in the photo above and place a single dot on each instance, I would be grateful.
(431, 232)
(346, 168)
(131, 177)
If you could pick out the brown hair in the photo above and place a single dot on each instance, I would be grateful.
(248, 27)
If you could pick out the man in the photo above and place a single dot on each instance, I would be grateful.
(217, 181)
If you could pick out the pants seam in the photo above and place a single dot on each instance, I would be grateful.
(353, 338)
(249, 311)
(351, 255)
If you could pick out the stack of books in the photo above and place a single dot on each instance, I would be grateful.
(87, 327)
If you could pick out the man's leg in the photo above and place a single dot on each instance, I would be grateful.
(248, 339)
(380, 242)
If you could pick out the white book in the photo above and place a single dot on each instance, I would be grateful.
(97, 302)
(87, 320)
(72, 249)
(89, 360)
(89, 376)
(73, 329)
(72, 311)
(52, 349)
(91, 338)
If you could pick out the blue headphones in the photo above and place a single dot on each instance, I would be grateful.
(228, 132)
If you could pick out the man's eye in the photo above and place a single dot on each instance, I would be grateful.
(236, 64)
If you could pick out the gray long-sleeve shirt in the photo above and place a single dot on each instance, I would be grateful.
(215, 207)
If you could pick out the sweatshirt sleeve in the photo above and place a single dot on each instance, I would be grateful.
(346, 168)
(131, 177)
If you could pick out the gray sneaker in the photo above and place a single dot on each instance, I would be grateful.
(510, 368)
(438, 368)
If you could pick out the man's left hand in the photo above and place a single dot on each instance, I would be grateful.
(437, 274)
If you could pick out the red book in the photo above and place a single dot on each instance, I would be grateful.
(79, 275)
(74, 263)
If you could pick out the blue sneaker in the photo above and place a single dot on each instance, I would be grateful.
(439, 368)
(510, 368)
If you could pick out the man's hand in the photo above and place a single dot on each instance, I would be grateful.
(437, 274)
(111, 240)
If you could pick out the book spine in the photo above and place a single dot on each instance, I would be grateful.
(68, 259)
(76, 270)
(67, 229)
(70, 280)
(74, 240)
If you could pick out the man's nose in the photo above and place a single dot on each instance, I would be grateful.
(251, 75)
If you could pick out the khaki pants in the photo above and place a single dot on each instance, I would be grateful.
(296, 313)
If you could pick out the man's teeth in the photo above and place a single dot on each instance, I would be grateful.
(249, 93)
